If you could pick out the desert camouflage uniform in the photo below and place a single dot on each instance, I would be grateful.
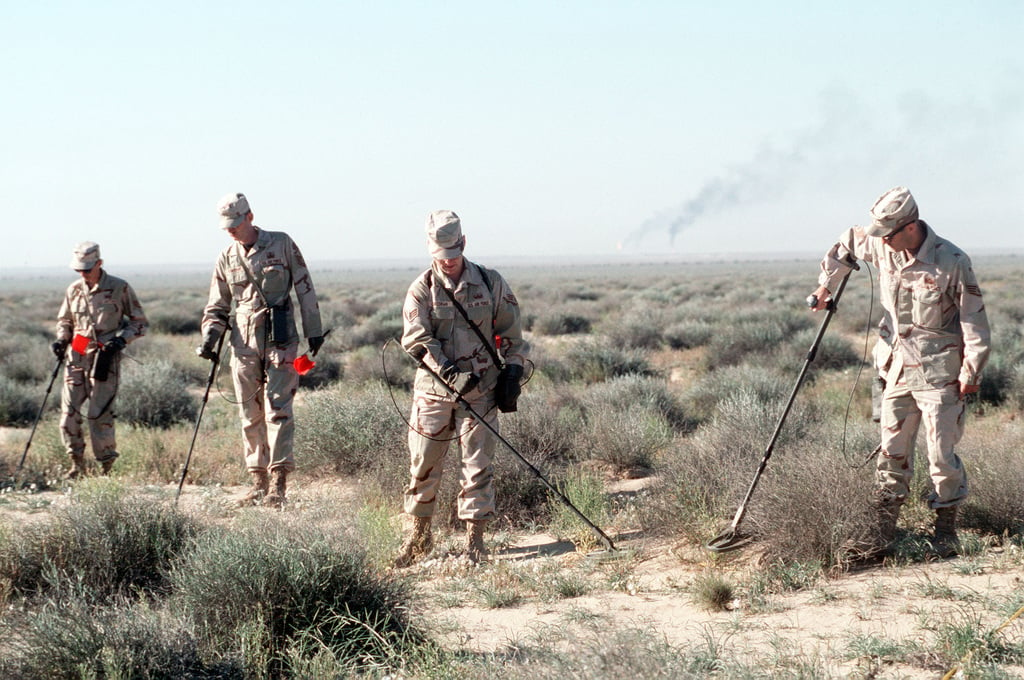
(934, 336)
(109, 309)
(276, 265)
(433, 323)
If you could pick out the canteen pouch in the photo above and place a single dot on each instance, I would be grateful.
(278, 327)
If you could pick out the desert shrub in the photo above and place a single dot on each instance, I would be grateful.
(752, 333)
(995, 469)
(25, 356)
(178, 351)
(814, 500)
(546, 424)
(637, 326)
(18, 403)
(834, 352)
(389, 365)
(154, 395)
(767, 385)
(72, 639)
(354, 430)
(626, 437)
(585, 490)
(105, 542)
(262, 588)
(649, 393)
(688, 334)
(175, 321)
(705, 475)
(596, 360)
(560, 323)
(383, 324)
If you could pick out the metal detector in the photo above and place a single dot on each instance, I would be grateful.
(42, 407)
(558, 494)
(202, 407)
(732, 539)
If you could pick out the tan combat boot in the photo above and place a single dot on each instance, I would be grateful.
(107, 466)
(278, 486)
(77, 469)
(945, 541)
(419, 543)
(476, 551)
(260, 484)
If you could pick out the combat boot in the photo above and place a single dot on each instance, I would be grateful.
(419, 543)
(278, 486)
(945, 541)
(260, 484)
(77, 469)
(107, 465)
(476, 551)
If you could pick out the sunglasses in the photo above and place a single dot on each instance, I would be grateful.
(892, 234)
(86, 271)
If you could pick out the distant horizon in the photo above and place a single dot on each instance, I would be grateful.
(55, 275)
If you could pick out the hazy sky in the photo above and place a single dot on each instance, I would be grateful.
(575, 128)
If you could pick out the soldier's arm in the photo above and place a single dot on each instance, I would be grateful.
(65, 322)
(302, 282)
(136, 322)
(508, 323)
(218, 305)
(853, 244)
(973, 325)
(417, 334)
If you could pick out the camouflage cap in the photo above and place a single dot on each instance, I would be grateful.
(891, 211)
(444, 235)
(232, 209)
(85, 256)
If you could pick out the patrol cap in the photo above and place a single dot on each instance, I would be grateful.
(232, 209)
(85, 256)
(892, 210)
(444, 235)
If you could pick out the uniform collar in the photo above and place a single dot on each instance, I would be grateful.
(926, 253)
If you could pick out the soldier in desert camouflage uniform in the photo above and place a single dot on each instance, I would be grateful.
(100, 315)
(435, 328)
(934, 342)
(257, 273)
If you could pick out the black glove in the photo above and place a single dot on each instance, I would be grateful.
(315, 343)
(59, 348)
(460, 382)
(506, 392)
(208, 350)
(114, 345)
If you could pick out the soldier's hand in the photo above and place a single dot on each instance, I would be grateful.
(460, 382)
(315, 343)
(464, 383)
(115, 345)
(207, 351)
(59, 348)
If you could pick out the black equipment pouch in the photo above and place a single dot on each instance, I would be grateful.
(104, 360)
(278, 327)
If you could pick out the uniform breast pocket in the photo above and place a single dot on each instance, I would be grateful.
(275, 280)
(927, 311)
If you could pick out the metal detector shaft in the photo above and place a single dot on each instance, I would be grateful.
(202, 407)
(558, 494)
(729, 539)
(42, 407)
